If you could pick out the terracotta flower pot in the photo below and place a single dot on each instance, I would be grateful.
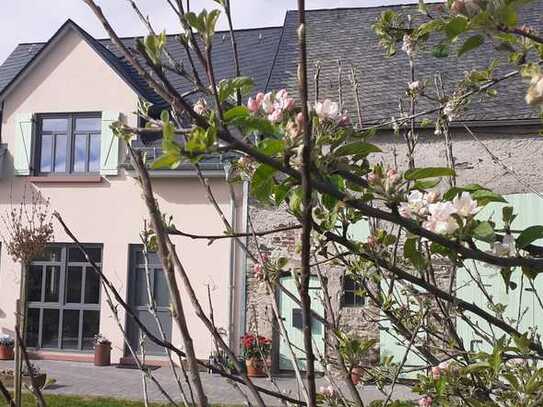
(6, 352)
(356, 375)
(255, 367)
(102, 354)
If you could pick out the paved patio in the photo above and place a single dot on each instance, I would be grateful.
(87, 379)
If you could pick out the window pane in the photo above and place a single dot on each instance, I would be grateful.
(46, 153)
(92, 287)
(91, 124)
(52, 277)
(91, 326)
(73, 284)
(80, 153)
(348, 298)
(50, 328)
(94, 153)
(161, 292)
(70, 329)
(77, 256)
(60, 152)
(141, 287)
(153, 258)
(59, 125)
(51, 254)
(34, 283)
(32, 327)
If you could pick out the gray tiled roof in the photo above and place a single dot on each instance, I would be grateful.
(346, 34)
(257, 48)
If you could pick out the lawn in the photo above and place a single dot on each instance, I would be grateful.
(75, 401)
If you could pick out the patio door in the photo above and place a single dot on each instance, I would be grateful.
(291, 314)
(63, 299)
(143, 282)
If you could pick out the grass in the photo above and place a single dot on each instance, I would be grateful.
(78, 401)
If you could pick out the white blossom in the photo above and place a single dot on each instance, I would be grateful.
(327, 109)
(440, 220)
(408, 45)
(415, 86)
(449, 109)
(267, 103)
(505, 248)
(534, 96)
(465, 206)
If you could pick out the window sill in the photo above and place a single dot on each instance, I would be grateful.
(67, 179)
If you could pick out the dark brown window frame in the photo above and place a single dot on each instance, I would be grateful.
(358, 300)
(62, 304)
(71, 133)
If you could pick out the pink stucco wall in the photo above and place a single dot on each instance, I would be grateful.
(71, 77)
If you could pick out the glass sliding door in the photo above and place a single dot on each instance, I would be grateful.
(63, 299)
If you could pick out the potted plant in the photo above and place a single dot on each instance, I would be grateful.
(256, 351)
(102, 351)
(6, 347)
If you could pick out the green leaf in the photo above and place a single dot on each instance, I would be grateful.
(228, 87)
(170, 161)
(440, 50)
(270, 146)
(413, 255)
(484, 232)
(485, 196)
(358, 148)
(508, 16)
(529, 235)
(262, 182)
(237, 112)
(471, 43)
(429, 172)
(452, 192)
(456, 26)
(522, 342)
(426, 184)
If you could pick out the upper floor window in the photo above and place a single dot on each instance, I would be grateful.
(352, 293)
(68, 144)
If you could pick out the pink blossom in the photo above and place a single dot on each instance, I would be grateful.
(432, 197)
(393, 175)
(444, 365)
(372, 178)
(436, 372)
(327, 391)
(426, 401)
(344, 120)
(275, 116)
(283, 102)
(254, 105)
(465, 206)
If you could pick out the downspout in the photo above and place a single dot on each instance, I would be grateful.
(232, 265)
(243, 261)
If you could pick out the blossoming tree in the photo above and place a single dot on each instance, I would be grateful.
(310, 159)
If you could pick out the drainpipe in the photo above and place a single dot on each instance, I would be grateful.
(243, 260)
(232, 265)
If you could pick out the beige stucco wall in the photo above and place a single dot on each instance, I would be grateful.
(73, 78)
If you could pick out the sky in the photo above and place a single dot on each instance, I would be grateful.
(37, 20)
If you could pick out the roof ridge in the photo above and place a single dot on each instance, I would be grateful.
(400, 5)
